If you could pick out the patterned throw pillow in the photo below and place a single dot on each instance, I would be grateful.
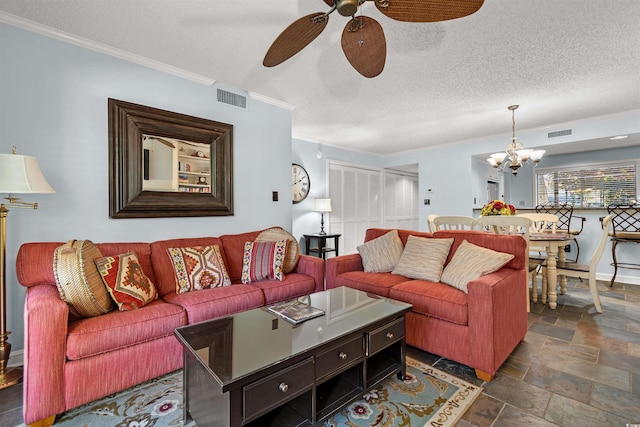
(129, 287)
(423, 258)
(198, 267)
(382, 253)
(470, 262)
(263, 261)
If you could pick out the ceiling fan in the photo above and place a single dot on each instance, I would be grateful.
(363, 39)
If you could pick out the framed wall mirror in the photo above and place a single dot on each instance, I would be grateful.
(166, 164)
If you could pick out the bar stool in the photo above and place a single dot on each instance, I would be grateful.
(626, 229)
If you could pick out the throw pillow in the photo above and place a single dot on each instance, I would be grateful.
(382, 253)
(129, 287)
(263, 261)
(292, 255)
(78, 279)
(470, 262)
(197, 268)
(423, 258)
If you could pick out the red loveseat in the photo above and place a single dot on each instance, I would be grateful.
(480, 328)
(71, 361)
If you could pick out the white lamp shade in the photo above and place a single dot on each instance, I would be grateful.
(322, 205)
(21, 174)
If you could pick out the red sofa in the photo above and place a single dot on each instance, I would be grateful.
(71, 361)
(479, 329)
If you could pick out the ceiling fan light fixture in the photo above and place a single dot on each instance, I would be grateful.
(347, 7)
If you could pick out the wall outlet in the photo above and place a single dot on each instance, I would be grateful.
(427, 201)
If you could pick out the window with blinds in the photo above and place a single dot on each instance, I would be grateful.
(590, 186)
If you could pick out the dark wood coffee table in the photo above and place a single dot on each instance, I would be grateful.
(256, 369)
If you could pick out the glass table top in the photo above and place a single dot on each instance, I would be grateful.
(238, 345)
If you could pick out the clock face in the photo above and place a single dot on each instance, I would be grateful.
(300, 183)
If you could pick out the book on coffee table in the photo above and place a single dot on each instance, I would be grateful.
(295, 311)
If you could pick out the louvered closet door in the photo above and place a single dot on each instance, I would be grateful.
(356, 201)
(400, 200)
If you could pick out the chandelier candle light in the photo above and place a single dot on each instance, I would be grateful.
(18, 174)
(323, 206)
(515, 155)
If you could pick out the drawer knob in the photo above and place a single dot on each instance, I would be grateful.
(284, 387)
(343, 355)
(389, 335)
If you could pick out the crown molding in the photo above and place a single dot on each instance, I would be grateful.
(272, 101)
(46, 31)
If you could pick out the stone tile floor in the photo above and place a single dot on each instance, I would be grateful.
(575, 367)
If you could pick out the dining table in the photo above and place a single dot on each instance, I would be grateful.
(553, 245)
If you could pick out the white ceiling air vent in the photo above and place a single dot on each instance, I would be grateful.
(231, 98)
(558, 133)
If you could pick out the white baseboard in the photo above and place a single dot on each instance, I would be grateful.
(16, 358)
(620, 278)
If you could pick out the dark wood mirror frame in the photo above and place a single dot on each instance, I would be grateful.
(127, 124)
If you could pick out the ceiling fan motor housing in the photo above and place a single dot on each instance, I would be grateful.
(347, 7)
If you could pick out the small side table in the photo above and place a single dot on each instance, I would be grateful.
(321, 244)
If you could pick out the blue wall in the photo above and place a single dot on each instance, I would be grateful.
(53, 100)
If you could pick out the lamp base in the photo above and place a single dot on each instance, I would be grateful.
(11, 376)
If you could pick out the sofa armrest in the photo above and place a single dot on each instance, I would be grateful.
(341, 264)
(314, 267)
(497, 316)
(46, 319)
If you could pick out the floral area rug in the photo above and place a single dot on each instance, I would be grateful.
(428, 397)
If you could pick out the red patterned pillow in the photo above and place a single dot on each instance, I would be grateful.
(129, 287)
(198, 267)
(263, 261)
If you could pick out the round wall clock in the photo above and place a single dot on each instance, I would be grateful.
(300, 183)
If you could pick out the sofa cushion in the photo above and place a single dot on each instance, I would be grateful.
(470, 262)
(293, 285)
(78, 279)
(165, 277)
(126, 281)
(198, 267)
(373, 233)
(381, 254)
(263, 261)
(377, 283)
(292, 255)
(434, 299)
(423, 258)
(120, 329)
(217, 302)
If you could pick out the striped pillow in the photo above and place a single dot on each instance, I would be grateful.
(470, 262)
(263, 261)
(423, 258)
(381, 254)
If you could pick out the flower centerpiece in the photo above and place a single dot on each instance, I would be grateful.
(498, 207)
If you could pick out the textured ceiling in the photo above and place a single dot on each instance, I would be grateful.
(562, 61)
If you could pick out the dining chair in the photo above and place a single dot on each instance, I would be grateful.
(513, 224)
(454, 222)
(566, 218)
(542, 222)
(588, 272)
(430, 218)
(625, 221)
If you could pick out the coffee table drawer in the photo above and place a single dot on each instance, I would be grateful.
(276, 389)
(339, 357)
(385, 335)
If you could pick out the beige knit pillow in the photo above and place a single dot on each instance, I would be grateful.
(78, 279)
(381, 254)
(470, 262)
(423, 258)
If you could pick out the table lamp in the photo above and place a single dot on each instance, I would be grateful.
(322, 206)
(18, 174)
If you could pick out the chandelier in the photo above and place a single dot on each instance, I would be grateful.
(515, 156)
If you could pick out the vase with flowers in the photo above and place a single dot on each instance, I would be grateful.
(498, 207)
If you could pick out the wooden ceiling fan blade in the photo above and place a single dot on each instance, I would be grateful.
(295, 38)
(330, 3)
(364, 45)
(427, 10)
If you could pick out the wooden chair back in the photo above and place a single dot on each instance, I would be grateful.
(454, 222)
